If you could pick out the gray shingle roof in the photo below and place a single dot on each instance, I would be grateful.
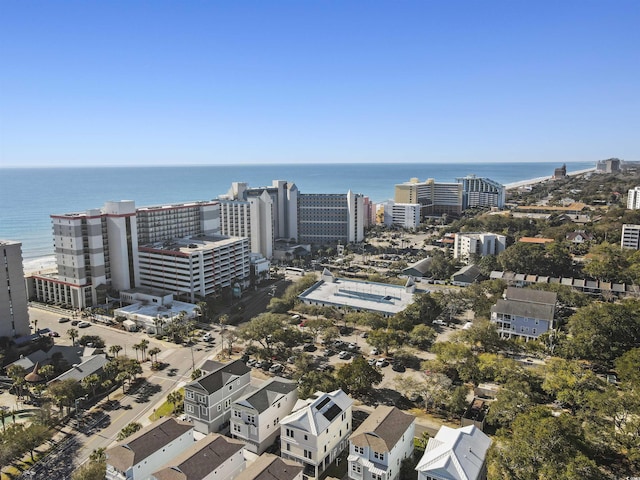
(218, 378)
(144, 442)
(270, 467)
(531, 295)
(263, 398)
(382, 429)
(204, 457)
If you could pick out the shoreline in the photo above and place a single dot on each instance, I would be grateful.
(534, 181)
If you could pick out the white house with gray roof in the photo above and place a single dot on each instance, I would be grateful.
(255, 417)
(207, 400)
(214, 457)
(380, 444)
(524, 313)
(455, 454)
(137, 456)
(317, 431)
(92, 365)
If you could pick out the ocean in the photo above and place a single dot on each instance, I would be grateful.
(29, 196)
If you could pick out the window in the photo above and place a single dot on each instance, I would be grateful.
(355, 467)
(236, 428)
(230, 387)
(190, 408)
(219, 408)
(227, 404)
(189, 395)
(288, 432)
(237, 414)
(358, 450)
(251, 419)
(307, 454)
(379, 456)
(375, 476)
(306, 437)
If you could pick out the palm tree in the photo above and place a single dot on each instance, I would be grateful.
(114, 349)
(153, 352)
(144, 343)
(137, 347)
(73, 334)
(90, 383)
(174, 398)
(202, 309)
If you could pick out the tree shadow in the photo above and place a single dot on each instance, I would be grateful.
(145, 391)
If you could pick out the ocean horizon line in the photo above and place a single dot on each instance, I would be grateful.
(278, 164)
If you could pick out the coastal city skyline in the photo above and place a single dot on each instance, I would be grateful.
(116, 83)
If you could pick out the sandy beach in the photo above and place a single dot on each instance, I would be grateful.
(33, 266)
(533, 181)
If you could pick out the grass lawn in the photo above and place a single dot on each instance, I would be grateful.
(164, 410)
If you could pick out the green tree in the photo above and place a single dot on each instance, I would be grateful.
(540, 446)
(65, 392)
(569, 382)
(422, 336)
(90, 383)
(32, 437)
(115, 349)
(153, 352)
(358, 377)
(129, 430)
(482, 336)
(176, 399)
(385, 339)
(73, 333)
(262, 329)
(513, 398)
(17, 374)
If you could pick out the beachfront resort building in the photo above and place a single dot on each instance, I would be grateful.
(466, 245)
(403, 215)
(436, 198)
(164, 222)
(481, 192)
(524, 313)
(327, 218)
(317, 431)
(14, 314)
(358, 296)
(193, 268)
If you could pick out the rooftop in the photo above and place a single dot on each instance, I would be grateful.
(382, 430)
(270, 467)
(360, 295)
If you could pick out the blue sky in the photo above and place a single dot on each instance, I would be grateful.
(223, 82)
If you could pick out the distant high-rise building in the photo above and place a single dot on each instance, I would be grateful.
(481, 192)
(325, 218)
(630, 236)
(633, 199)
(14, 314)
(404, 215)
(481, 244)
(436, 198)
(164, 222)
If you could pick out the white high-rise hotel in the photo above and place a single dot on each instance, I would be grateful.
(188, 249)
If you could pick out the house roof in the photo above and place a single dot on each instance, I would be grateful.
(535, 240)
(143, 443)
(202, 458)
(262, 398)
(468, 274)
(382, 430)
(88, 367)
(455, 453)
(531, 295)
(419, 268)
(524, 309)
(316, 413)
(215, 380)
(270, 467)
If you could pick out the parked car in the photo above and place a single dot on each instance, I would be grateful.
(54, 334)
(207, 337)
(438, 322)
(309, 347)
(344, 355)
(64, 320)
(372, 361)
(266, 365)
(353, 346)
(84, 325)
(375, 351)
(276, 368)
(326, 368)
(252, 362)
(75, 322)
(382, 362)
(291, 359)
(398, 367)
(364, 334)
(329, 352)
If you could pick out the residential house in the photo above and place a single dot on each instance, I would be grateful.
(380, 444)
(213, 458)
(270, 467)
(255, 417)
(317, 431)
(467, 275)
(207, 400)
(455, 454)
(137, 456)
(524, 313)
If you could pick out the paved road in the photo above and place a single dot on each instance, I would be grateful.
(98, 430)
